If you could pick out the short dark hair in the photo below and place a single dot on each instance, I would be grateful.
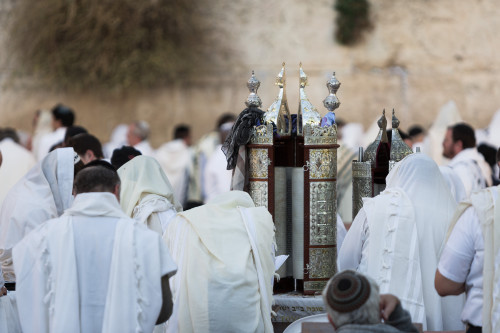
(64, 113)
(83, 142)
(72, 131)
(498, 155)
(465, 133)
(415, 130)
(96, 178)
(9, 132)
(123, 155)
(181, 132)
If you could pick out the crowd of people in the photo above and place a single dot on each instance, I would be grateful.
(122, 237)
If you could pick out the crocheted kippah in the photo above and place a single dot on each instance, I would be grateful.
(347, 291)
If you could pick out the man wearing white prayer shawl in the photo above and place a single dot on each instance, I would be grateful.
(470, 260)
(93, 269)
(459, 145)
(224, 251)
(43, 193)
(397, 236)
(146, 194)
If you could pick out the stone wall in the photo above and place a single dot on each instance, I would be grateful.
(419, 55)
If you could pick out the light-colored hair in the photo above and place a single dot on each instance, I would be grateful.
(367, 314)
(141, 129)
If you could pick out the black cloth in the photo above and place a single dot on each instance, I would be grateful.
(241, 133)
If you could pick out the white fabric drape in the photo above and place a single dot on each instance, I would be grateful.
(141, 178)
(215, 259)
(487, 206)
(43, 193)
(454, 183)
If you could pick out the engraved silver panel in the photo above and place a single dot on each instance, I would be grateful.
(323, 213)
(361, 184)
(322, 262)
(322, 163)
(259, 193)
(259, 163)
(262, 135)
(320, 135)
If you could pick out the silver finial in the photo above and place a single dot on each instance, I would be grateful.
(253, 85)
(395, 121)
(331, 102)
(307, 113)
(278, 112)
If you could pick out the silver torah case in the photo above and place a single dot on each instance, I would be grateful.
(364, 185)
(311, 151)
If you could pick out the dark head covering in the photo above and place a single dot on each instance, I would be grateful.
(347, 291)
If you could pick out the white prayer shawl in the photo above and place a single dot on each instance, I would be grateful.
(176, 159)
(472, 169)
(488, 211)
(224, 254)
(145, 189)
(433, 144)
(47, 286)
(454, 183)
(406, 237)
(43, 193)
(17, 161)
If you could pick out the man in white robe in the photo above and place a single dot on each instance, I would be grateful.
(224, 251)
(469, 262)
(17, 161)
(397, 236)
(146, 194)
(176, 159)
(93, 269)
(43, 193)
(459, 145)
(447, 116)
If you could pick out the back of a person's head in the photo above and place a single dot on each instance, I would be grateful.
(352, 298)
(123, 155)
(72, 131)
(465, 133)
(97, 176)
(83, 142)
(9, 133)
(182, 132)
(498, 155)
(415, 130)
(64, 114)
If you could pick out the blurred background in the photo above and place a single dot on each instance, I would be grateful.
(187, 61)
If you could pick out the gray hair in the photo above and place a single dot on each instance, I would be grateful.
(141, 129)
(367, 314)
